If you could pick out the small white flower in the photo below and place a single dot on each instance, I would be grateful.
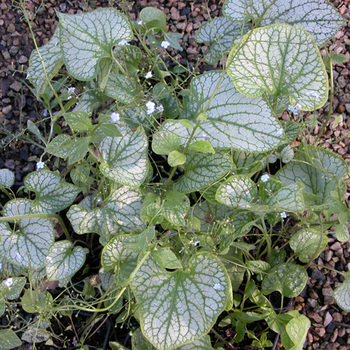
(139, 22)
(49, 259)
(8, 282)
(293, 109)
(56, 43)
(149, 75)
(283, 215)
(40, 165)
(71, 89)
(74, 342)
(123, 43)
(265, 177)
(27, 76)
(115, 117)
(160, 108)
(45, 113)
(218, 286)
(151, 107)
(165, 44)
(0, 266)
(194, 243)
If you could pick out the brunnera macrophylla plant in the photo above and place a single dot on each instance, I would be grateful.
(187, 180)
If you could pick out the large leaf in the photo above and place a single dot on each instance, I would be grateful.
(50, 57)
(308, 244)
(28, 246)
(119, 213)
(234, 121)
(52, 195)
(88, 37)
(342, 293)
(124, 159)
(318, 170)
(62, 262)
(318, 17)
(288, 279)
(281, 61)
(9, 339)
(7, 178)
(202, 170)
(220, 33)
(178, 307)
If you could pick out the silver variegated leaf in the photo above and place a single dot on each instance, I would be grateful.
(119, 213)
(318, 170)
(308, 243)
(52, 194)
(124, 159)
(318, 17)
(7, 178)
(12, 287)
(120, 88)
(201, 170)
(220, 33)
(50, 57)
(178, 307)
(28, 246)
(281, 61)
(88, 37)
(62, 262)
(234, 121)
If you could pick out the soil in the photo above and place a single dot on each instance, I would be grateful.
(330, 328)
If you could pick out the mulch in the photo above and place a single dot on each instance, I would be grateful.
(330, 328)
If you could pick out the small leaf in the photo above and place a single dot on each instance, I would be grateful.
(202, 146)
(263, 62)
(33, 301)
(176, 158)
(166, 258)
(79, 121)
(308, 244)
(34, 129)
(342, 232)
(288, 279)
(124, 159)
(82, 44)
(119, 87)
(9, 339)
(296, 331)
(52, 195)
(62, 262)
(179, 307)
(342, 293)
(119, 213)
(201, 170)
(153, 18)
(36, 332)
(220, 32)
(338, 59)
(60, 146)
(12, 287)
(7, 178)
(109, 129)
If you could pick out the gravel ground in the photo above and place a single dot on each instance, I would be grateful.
(330, 325)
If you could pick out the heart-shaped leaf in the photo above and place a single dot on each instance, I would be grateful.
(308, 244)
(318, 17)
(50, 57)
(281, 61)
(201, 170)
(52, 195)
(88, 37)
(119, 213)
(296, 331)
(124, 159)
(220, 33)
(234, 121)
(178, 307)
(342, 293)
(318, 170)
(9, 339)
(118, 256)
(120, 88)
(288, 279)
(7, 178)
(79, 121)
(12, 287)
(28, 246)
(62, 262)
